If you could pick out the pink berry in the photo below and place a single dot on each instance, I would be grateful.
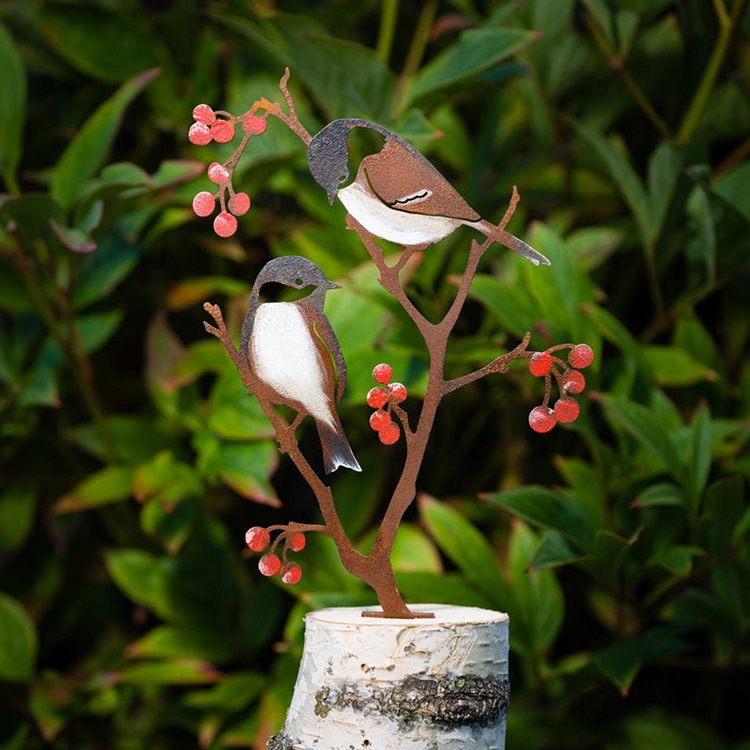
(291, 573)
(377, 398)
(581, 356)
(540, 363)
(254, 125)
(398, 392)
(203, 113)
(203, 204)
(225, 225)
(574, 382)
(542, 419)
(389, 435)
(222, 131)
(239, 204)
(269, 565)
(567, 410)
(379, 420)
(296, 542)
(199, 134)
(217, 173)
(257, 538)
(382, 373)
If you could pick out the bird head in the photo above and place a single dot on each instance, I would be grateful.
(294, 271)
(328, 156)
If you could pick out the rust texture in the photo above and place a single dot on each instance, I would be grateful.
(405, 162)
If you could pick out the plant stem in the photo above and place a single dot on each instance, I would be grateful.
(72, 350)
(388, 16)
(617, 64)
(416, 51)
(727, 25)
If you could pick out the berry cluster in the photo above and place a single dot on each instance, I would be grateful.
(544, 364)
(258, 539)
(383, 398)
(220, 126)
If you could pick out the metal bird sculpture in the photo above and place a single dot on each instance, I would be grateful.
(294, 356)
(398, 195)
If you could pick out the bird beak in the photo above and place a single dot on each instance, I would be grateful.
(331, 285)
(332, 196)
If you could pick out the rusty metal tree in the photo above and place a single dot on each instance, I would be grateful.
(375, 568)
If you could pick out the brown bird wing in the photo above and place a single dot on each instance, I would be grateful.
(404, 180)
(330, 350)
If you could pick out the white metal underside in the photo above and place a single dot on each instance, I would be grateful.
(393, 225)
(285, 358)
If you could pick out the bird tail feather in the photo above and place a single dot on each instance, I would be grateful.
(517, 246)
(336, 449)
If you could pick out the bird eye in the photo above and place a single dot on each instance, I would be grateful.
(298, 281)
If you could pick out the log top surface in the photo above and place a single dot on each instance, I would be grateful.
(445, 614)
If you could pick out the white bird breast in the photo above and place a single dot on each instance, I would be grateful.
(286, 359)
(395, 226)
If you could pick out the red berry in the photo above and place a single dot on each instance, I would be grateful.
(382, 373)
(379, 420)
(257, 538)
(567, 410)
(254, 125)
(296, 542)
(542, 419)
(239, 204)
(269, 565)
(377, 398)
(217, 173)
(222, 131)
(398, 392)
(581, 355)
(291, 573)
(199, 134)
(225, 225)
(203, 204)
(203, 113)
(389, 435)
(574, 382)
(540, 363)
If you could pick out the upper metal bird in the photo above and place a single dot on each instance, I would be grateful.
(294, 355)
(398, 195)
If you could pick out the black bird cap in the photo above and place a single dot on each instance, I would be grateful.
(294, 271)
(328, 153)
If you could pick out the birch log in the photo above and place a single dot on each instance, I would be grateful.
(388, 684)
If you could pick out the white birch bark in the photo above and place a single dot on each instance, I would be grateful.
(387, 684)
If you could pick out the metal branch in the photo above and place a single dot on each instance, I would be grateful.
(290, 120)
(497, 365)
(222, 334)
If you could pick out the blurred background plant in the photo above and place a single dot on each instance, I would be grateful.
(132, 462)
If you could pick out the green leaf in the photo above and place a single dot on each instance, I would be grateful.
(550, 510)
(233, 415)
(443, 588)
(535, 601)
(671, 366)
(511, 305)
(88, 149)
(677, 558)
(13, 295)
(620, 663)
(699, 460)
(168, 642)
(110, 485)
(12, 108)
(663, 493)
(142, 577)
(725, 504)
(103, 270)
(178, 672)
(553, 552)
(17, 507)
(233, 693)
(643, 424)
(197, 290)
(624, 176)
(100, 44)
(413, 552)
(664, 170)
(477, 51)
(247, 469)
(18, 644)
(464, 545)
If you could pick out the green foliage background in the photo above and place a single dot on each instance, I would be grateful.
(131, 461)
